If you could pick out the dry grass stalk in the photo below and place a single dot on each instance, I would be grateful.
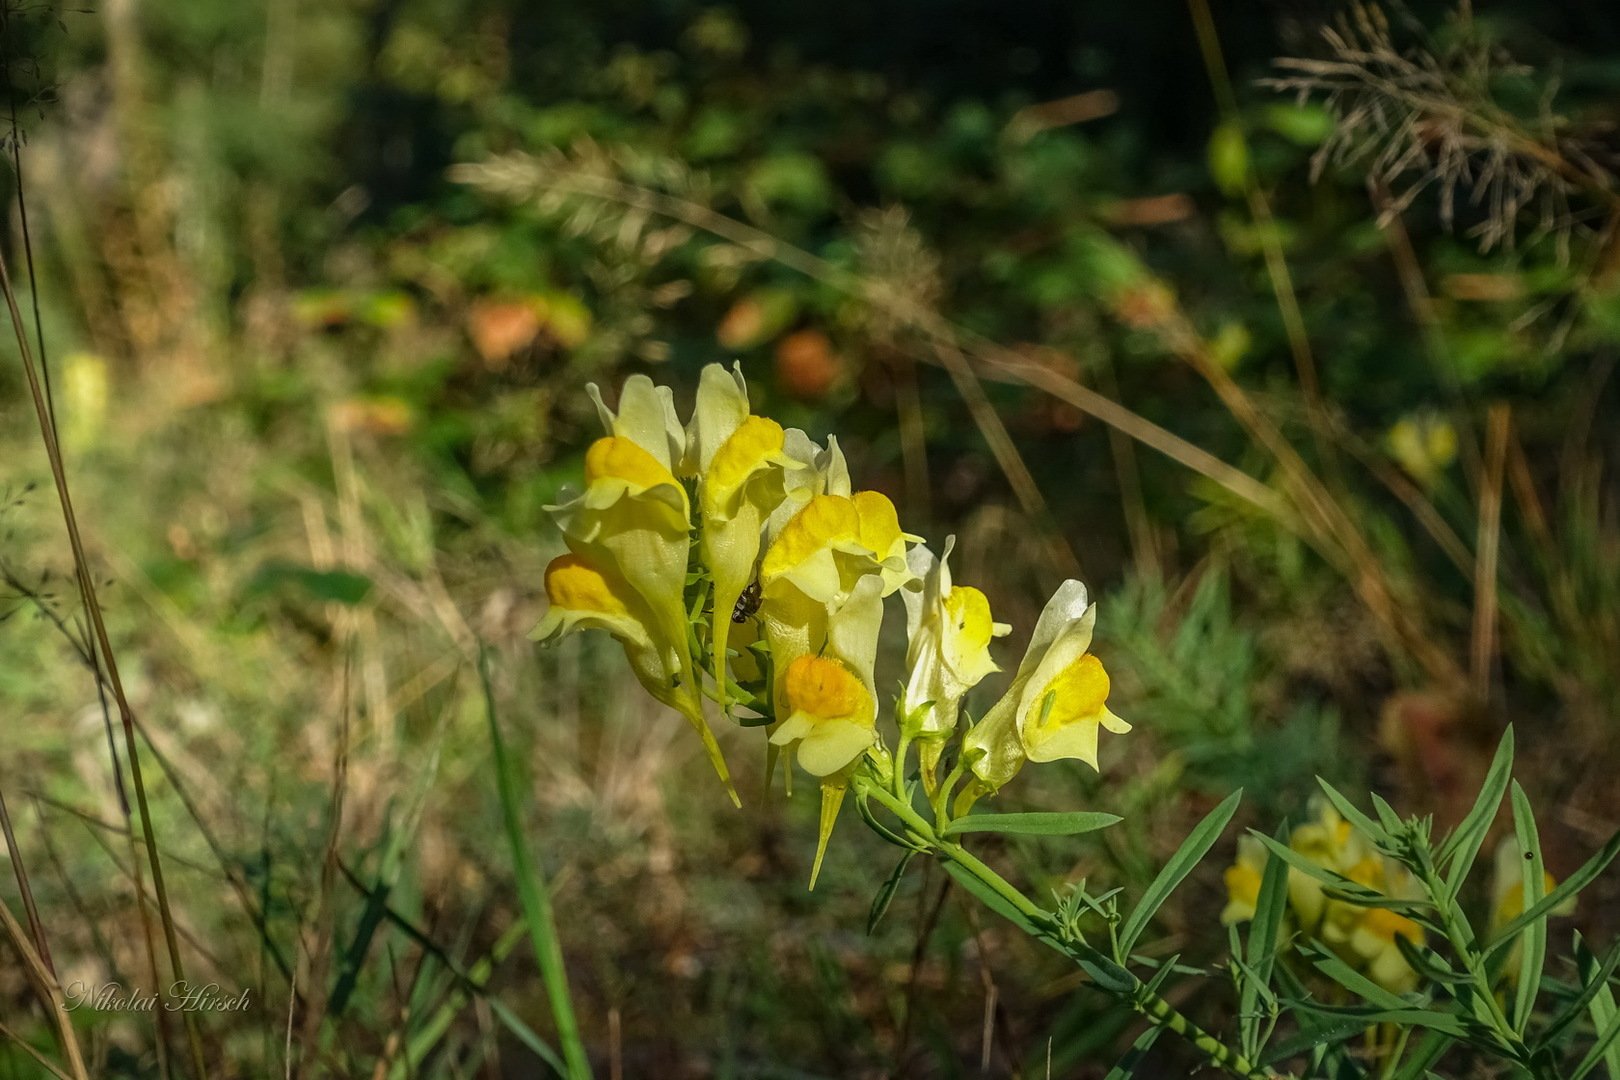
(1424, 117)
(1487, 548)
(49, 990)
(104, 652)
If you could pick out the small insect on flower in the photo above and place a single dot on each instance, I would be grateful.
(747, 604)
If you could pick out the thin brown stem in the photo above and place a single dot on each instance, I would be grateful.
(103, 643)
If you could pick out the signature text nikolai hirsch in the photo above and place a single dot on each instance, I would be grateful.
(180, 997)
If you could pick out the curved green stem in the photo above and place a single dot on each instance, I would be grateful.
(1140, 996)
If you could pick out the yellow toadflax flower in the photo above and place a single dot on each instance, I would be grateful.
(827, 700)
(814, 566)
(1364, 936)
(833, 541)
(633, 524)
(831, 714)
(948, 634)
(743, 466)
(1056, 704)
(587, 597)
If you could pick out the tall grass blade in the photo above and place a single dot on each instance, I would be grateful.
(534, 893)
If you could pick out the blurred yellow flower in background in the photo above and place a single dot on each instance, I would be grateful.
(1424, 445)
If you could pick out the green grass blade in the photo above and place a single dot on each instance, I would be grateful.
(468, 983)
(471, 982)
(1535, 885)
(1191, 852)
(534, 895)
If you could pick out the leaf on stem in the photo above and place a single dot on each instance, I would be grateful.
(1033, 824)
(1535, 886)
(1192, 851)
(885, 894)
(1464, 844)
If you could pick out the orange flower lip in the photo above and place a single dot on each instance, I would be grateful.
(824, 689)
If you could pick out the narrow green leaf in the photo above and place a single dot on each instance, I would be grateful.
(1432, 966)
(1600, 996)
(1535, 886)
(1269, 908)
(885, 894)
(1310, 1036)
(1386, 813)
(864, 807)
(1408, 1015)
(1261, 950)
(1355, 982)
(1033, 824)
(1168, 968)
(1104, 972)
(1262, 993)
(1346, 1024)
(1600, 1052)
(1347, 810)
(1126, 1068)
(1463, 846)
(1191, 852)
(1372, 898)
(1571, 886)
(1309, 868)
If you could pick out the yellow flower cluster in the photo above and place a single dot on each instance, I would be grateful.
(732, 559)
(1364, 937)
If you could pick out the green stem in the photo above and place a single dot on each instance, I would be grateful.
(1461, 937)
(947, 788)
(901, 750)
(1140, 997)
(1393, 1060)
